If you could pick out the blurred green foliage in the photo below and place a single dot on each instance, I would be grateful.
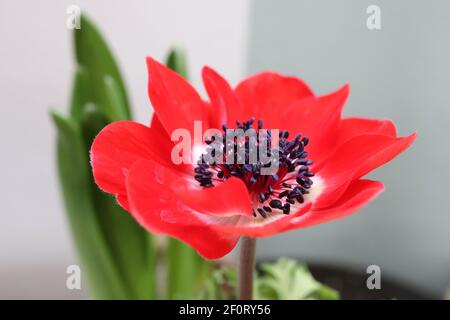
(284, 279)
(118, 257)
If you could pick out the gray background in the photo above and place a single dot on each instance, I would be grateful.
(400, 72)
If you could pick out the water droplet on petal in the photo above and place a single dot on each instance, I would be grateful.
(159, 176)
(167, 216)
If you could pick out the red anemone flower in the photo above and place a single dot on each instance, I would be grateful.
(323, 158)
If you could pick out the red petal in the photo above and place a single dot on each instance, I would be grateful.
(358, 194)
(262, 227)
(153, 192)
(352, 127)
(318, 118)
(229, 198)
(174, 100)
(354, 159)
(226, 107)
(264, 95)
(117, 147)
(156, 125)
(122, 199)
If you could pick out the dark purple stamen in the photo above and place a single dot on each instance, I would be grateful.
(277, 191)
(262, 212)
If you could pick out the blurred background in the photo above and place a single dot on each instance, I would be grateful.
(400, 72)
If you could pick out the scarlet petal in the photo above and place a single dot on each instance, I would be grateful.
(153, 193)
(358, 194)
(156, 125)
(266, 94)
(229, 198)
(174, 100)
(318, 118)
(122, 199)
(250, 227)
(117, 147)
(356, 158)
(352, 127)
(225, 104)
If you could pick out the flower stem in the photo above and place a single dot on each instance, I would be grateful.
(246, 268)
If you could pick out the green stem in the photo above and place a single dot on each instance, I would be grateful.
(246, 268)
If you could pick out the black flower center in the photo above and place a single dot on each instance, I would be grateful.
(276, 176)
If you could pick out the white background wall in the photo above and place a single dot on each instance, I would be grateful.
(36, 65)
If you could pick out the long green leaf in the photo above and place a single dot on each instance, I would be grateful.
(130, 245)
(182, 272)
(93, 53)
(176, 60)
(103, 230)
(97, 264)
(81, 93)
(116, 104)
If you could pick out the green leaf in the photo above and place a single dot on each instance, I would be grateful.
(93, 53)
(182, 270)
(116, 104)
(176, 60)
(221, 285)
(288, 279)
(284, 279)
(97, 264)
(81, 93)
(325, 293)
(99, 97)
(130, 245)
